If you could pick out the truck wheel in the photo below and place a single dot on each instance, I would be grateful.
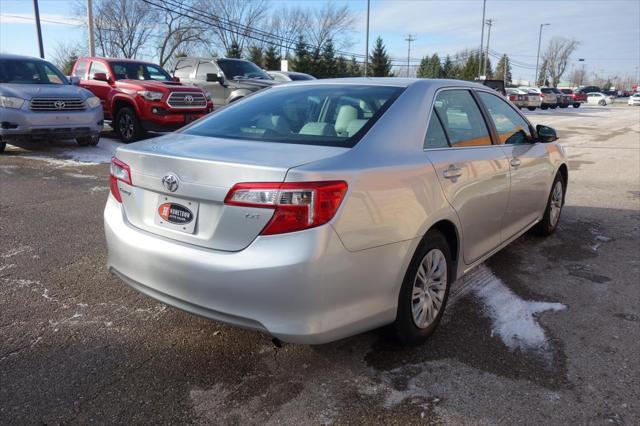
(127, 125)
(544, 107)
(553, 106)
(531, 108)
(88, 140)
(576, 105)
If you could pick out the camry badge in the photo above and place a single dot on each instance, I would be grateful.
(170, 182)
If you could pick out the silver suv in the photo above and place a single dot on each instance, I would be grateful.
(38, 102)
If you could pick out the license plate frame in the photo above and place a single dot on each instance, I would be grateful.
(178, 209)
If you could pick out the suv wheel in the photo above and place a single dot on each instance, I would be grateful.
(128, 126)
(425, 290)
(3, 145)
(551, 218)
(531, 108)
(88, 140)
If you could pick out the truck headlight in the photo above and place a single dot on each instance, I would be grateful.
(93, 102)
(207, 95)
(11, 102)
(150, 96)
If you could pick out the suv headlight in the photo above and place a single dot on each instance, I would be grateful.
(151, 96)
(93, 102)
(10, 102)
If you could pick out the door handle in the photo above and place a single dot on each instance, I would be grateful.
(515, 162)
(452, 172)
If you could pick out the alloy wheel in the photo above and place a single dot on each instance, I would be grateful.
(555, 205)
(125, 126)
(429, 288)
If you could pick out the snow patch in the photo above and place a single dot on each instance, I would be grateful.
(15, 252)
(69, 154)
(99, 189)
(81, 176)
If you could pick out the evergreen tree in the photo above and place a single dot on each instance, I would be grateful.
(342, 67)
(272, 59)
(379, 61)
(423, 68)
(328, 66)
(503, 70)
(256, 56)
(435, 67)
(68, 64)
(302, 57)
(542, 75)
(234, 51)
(353, 68)
(449, 69)
(469, 70)
(315, 66)
(489, 70)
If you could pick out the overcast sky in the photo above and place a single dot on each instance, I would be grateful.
(609, 30)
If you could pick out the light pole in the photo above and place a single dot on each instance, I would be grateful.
(36, 12)
(409, 39)
(484, 66)
(583, 73)
(484, 5)
(366, 53)
(535, 77)
(92, 42)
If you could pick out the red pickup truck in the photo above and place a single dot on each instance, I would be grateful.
(577, 98)
(140, 96)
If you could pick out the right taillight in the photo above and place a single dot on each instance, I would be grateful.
(297, 205)
(119, 172)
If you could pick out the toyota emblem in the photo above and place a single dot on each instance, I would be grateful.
(59, 104)
(188, 99)
(170, 182)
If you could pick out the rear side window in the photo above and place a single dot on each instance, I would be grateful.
(205, 68)
(81, 69)
(436, 137)
(462, 119)
(328, 115)
(184, 68)
(97, 67)
(511, 127)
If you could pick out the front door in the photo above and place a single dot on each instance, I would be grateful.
(99, 88)
(473, 173)
(531, 171)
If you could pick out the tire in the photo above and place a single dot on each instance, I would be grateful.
(564, 106)
(544, 107)
(550, 220)
(3, 145)
(531, 108)
(553, 106)
(576, 105)
(127, 125)
(434, 247)
(88, 140)
(602, 103)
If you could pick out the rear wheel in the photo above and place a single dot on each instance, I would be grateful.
(553, 106)
(88, 140)
(544, 107)
(551, 218)
(602, 102)
(425, 290)
(531, 108)
(576, 105)
(128, 126)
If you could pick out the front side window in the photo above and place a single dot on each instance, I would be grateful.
(235, 69)
(139, 71)
(328, 115)
(81, 68)
(511, 127)
(18, 71)
(462, 119)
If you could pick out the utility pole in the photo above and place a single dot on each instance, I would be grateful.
(484, 5)
(92, 41)
(366, 53)
(535, 77)
(484, 65)
(409, 39)
(38, 28)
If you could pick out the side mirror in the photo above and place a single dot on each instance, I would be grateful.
(546, 134)
(215, 78)
(75, 81)
(100, 76)
(176, 79)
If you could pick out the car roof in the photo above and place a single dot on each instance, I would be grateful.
(12, 56)
(391, 81)
(110, 60)
(204, 58)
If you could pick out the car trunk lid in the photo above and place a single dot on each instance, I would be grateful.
(178, 171)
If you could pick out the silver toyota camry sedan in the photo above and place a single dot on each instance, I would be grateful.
(317, 210)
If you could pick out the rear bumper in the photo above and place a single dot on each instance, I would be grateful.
(302, 287)
(20, 123)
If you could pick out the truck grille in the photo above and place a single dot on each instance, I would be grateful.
(56, 104)
(187, 100)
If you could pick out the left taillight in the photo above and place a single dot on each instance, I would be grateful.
(119, 172)
(297, 205)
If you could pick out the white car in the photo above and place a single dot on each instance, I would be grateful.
(599, 98)
(634, 99)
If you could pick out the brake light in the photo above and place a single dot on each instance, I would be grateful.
(119, 172)
(512, 97)
(297, 205)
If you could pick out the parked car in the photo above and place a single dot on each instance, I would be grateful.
(599, 98)
(576, 97)
(548, 99)
(263, 214)
(634, 99)
(524, 99)
(38, 102)
(559, 99)
(564, 100)
(588, 89)
(289, 76)
(226, 80)
(140, 96)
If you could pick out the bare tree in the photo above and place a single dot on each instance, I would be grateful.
(287, 24)
(330, 22)
(235, 22)
(177, 30)
(65, 54)
(578, 77)
(557, 57)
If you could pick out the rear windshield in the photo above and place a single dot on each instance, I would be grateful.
(567, 91)
(329, 115)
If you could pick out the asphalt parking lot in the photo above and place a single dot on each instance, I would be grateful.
(546, 332)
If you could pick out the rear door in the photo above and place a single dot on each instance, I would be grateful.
(473, 173)
(528, 161)
(217, 91)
